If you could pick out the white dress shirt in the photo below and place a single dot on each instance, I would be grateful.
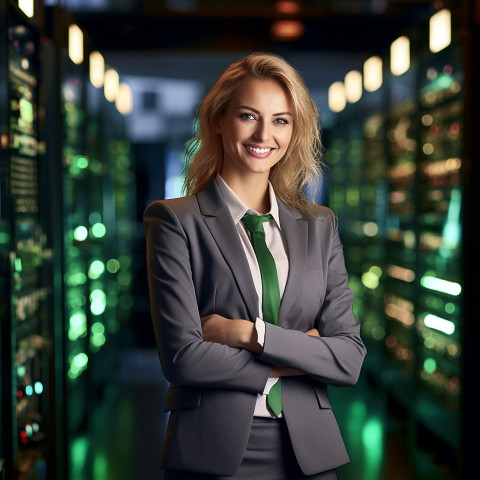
(276, 245)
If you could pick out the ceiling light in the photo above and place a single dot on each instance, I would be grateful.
(287, 7)
(287, 29)
(336, 97)
(400, 55)
(27, 7)
(353, 86)
(97, 69)
(124, 100)
(440, 30)
(111, 85)
(75, 44)
(372, 74)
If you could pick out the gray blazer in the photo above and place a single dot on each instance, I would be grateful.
(196, 267)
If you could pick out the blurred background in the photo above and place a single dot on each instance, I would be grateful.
(97, 98)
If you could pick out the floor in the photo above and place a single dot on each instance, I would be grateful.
(127, 428)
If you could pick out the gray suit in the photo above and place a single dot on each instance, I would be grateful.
(197, 266)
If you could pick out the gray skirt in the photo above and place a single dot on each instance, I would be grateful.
(269, 456)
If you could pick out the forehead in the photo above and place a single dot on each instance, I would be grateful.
(255, 92)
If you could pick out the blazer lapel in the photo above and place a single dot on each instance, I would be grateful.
(295, 231)
(220, 223)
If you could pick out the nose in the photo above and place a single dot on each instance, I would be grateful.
(262, 132)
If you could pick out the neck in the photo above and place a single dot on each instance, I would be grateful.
(252, 191)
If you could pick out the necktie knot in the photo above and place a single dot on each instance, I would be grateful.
(254, 223)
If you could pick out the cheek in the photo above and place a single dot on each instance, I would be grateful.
(287, 138)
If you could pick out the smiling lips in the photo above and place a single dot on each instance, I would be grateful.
(258, 151)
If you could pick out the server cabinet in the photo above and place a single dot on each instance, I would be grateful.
(408, 277)
(25, 290)
(439, 282)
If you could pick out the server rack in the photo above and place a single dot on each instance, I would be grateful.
(25, 289)
(415, 345)
(66, 231)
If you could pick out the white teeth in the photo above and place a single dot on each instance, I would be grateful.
(259, 150)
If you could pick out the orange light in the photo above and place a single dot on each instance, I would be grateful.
(287, 7)
(287, 29)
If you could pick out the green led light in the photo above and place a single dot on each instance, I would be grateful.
(80, 361)
(97, 267)
(370, 280)
(378, 333)
(450, 307)
(113, 265)
(429, 365)
(80, 161)
(97, 294)
(438, 323)
(79, 449)
(97, 340)
(26, 110)
(21, 371)
(77, 326)
(125, 261)
(4, 238)
(78, 319)
(80, 233)
(353, 196)
(440, 285)
(18, 264)
(429, 342)
(99, 230)
(75, 279)
(376, 270)
(97, 307)
(98, 302)
(98, 328)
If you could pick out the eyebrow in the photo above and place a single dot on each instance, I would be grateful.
(246, 107)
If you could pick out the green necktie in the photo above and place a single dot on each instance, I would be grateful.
(270, 290)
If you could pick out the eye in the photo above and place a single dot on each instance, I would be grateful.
(281, 121)
(247, 116)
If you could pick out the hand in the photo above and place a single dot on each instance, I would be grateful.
(313, 333)
(236, 333)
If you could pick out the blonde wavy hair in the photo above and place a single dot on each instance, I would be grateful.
(301, 165)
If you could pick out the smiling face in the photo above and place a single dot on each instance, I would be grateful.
(256, 128)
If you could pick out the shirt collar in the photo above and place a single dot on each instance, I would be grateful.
(238, 209)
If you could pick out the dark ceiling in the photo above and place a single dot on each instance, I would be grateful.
(195, 39)
(244, 25)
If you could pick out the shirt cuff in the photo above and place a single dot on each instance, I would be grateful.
(260, 328)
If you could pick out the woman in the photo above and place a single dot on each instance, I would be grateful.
(249, 371)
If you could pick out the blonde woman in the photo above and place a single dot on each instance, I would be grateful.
(250, 304)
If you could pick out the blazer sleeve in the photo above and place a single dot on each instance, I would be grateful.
(185, 357)
(336, 357)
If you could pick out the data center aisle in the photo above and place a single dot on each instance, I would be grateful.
(127, 430)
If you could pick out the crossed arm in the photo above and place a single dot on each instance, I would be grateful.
(240, 333)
